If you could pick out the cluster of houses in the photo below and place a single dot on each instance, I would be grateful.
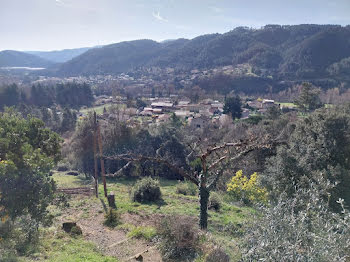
(197, 115)
(259, 106)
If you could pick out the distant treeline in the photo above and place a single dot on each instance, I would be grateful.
(252, 85)
(70, 95)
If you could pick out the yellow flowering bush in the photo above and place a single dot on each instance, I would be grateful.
(247, 189)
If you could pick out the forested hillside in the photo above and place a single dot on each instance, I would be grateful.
(10, 58)
(300, 51)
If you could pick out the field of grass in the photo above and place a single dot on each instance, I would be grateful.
(65, 181)
(98, 109)
(224, 226)
(173, 203)
(60, 247)
(290, 105)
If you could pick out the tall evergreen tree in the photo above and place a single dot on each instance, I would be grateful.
(233, 107)
(308, 99)
(9, 96)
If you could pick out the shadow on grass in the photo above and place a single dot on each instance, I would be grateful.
(83, 180)
(104, 205)
(125, 181)
(65, 180)
(130, 181)
(159, 203)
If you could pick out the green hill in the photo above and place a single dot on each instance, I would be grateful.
(9, 58)
(300, 51)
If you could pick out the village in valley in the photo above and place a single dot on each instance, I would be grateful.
(153, 95)
(161, 109)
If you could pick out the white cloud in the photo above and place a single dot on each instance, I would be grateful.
(159, 17)
(59, 2)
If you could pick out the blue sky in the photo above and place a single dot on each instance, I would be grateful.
(59, 24)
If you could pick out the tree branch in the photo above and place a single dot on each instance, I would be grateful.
(121, 170)
(214, 149)
(134, 158)
(219, 174)
(212, 184)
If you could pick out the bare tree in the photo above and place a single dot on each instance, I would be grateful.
(214, 161)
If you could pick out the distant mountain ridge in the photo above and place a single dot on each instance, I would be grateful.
(290, 51)
(9, 58)
(44, 59)
(60, 56)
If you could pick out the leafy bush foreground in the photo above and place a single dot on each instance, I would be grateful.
(299, 229)
(146, 190)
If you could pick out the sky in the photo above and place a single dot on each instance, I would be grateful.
(61, 24)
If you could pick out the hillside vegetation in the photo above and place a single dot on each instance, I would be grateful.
(300, 51)
(10, 58)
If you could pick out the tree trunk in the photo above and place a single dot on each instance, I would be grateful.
(203, 200)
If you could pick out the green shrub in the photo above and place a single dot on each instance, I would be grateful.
(8, 256)
(254, 119)
(298, 229)
(62, 200)
(179, 238)
(215, 201)
(20, 239)
(62, 167)
(147, 232)
(186, 188)
(76, 231)
(146, 190)
(112, 218)
(217, 255)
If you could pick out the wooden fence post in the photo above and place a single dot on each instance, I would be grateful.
(111, 200)
(95, 152)
(99, 139)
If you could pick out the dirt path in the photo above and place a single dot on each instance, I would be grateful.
(90, 216)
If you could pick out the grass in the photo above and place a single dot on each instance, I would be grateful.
(174, 204)
(224, 226)
(61, 247)
(67, 181)
(145, 232)
(290, 105)
(171, 203)
(98, 109)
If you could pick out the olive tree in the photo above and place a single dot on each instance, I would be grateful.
(233, 107)
(27, 153)
(319, 145)
(298, 229)
(308, 99)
